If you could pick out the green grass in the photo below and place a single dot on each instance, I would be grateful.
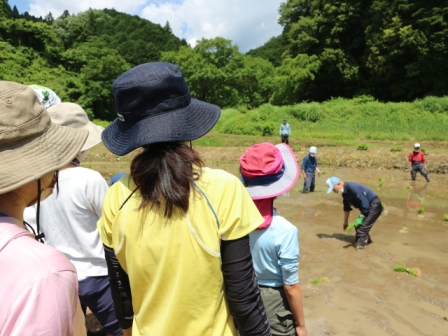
(362, 147)
(317, 281)
(345, 119)
(396, 149)
(102, 123)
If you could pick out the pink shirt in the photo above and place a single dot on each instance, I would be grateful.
(38, 287)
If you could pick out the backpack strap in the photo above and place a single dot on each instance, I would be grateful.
(209, 204)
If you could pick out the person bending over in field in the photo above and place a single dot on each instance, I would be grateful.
(359, 196)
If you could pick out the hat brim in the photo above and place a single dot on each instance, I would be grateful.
(184, 124)
(94, 137)
(31, 159)
(330, 190)
(285, 183)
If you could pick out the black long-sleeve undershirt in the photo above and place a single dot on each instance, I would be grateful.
(121, 289)
(241, 288)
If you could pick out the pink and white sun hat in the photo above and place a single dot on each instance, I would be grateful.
(268, 171)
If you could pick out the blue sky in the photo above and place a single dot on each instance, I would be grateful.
(248, 23)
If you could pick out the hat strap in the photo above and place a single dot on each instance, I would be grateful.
(40, 235)
(262, 180)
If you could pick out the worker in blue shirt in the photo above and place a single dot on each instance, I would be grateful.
(362, 198)
(285, 131)
(309, 169)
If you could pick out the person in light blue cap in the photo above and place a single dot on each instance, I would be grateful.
(362, 198)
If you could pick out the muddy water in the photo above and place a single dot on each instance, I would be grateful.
(364, 296)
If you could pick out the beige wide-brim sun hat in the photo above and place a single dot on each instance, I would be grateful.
(73, 116)
(30, 144)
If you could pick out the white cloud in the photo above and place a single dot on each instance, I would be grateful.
(248, 23)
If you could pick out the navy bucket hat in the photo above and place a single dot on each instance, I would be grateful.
(153, 105)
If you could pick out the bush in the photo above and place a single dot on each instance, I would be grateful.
(102, 123)
(264, 129)
(308, 112)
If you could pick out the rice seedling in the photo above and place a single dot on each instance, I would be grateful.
(362, 147)
(420, 210)
(316, 281)
(404, 229)
(445, 217)
(396, 149)
(411, 271)
(351, 227)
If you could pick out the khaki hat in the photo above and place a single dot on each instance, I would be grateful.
(72, 115)
(30, 144)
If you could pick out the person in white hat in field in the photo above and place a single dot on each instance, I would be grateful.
(69, 220)
(309, 170)
(38, 285)
(417, 163)
(268, 171)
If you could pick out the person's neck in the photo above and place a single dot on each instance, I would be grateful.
(70, 165)
(13, 210)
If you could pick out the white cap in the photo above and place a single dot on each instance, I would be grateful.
(313, 150)
(416, 145)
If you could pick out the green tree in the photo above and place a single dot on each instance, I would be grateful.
(218, 73)
(332, 31)
(167, 27)
(271, 50)
(407, 49)
(294, 79)
(49, 18)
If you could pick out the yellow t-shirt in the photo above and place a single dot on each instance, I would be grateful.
(174, 266)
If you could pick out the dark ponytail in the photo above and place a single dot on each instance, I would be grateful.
(164, 174)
